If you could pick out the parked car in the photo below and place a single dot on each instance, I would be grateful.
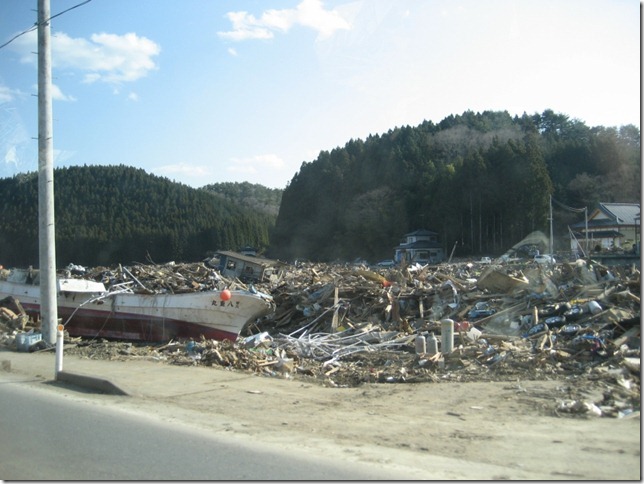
(485, 260)
(386, 263)
(544, 259)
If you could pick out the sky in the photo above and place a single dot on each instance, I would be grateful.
(210, 91)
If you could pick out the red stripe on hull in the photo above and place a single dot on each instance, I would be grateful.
(99, 324)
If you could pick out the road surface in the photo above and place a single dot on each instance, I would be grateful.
(49, 436)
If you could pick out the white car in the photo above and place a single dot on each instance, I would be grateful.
(544, 259)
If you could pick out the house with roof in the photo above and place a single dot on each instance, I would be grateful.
(421, 246)
(246, 267)
(610, 226)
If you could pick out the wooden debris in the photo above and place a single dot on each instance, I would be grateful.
(494, 280)
(347, 326)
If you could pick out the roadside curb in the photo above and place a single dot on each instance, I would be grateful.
(92, 383)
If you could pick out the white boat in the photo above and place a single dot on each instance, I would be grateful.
(88, 309)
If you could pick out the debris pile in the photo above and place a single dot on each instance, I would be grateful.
(14, 322)
(343, 325)
(152, 279)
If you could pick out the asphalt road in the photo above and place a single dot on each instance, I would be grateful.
(45, 435)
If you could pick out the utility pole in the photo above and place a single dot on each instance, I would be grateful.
(46, 228)
(452, 254)
(586, 227)
(550, 248)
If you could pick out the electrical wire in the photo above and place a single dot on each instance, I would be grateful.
(65, 11)
(35, 26)
(578, 210)
(18, 35)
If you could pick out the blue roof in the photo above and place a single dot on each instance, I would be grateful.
(622, 213)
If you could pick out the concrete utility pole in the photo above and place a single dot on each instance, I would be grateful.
(586, 227)
(46, 228)
(550, 245)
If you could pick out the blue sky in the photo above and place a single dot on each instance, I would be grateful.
(207, 91)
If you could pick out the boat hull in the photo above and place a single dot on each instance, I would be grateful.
(148, 317)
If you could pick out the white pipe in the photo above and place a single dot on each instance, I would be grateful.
(59, 348)
(447, 336)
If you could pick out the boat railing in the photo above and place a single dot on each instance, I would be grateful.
(120, 288)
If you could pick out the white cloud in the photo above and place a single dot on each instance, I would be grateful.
(245, 27)
(309, 13)
(61, 157)
(256, 164)
(105, 57)
(58, 95)
(184, 171)
(124, 58)
(6, 94)
(232, 52)
(133, 96)
(11, 157)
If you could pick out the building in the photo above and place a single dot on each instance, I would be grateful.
(248, 250)
(610, 226)
(421, 246)
(247, 268)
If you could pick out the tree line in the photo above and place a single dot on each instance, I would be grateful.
(252, 195)
(118, 214)
(481, 180)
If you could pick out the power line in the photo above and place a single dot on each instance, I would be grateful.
(578, 210)
(35, 26)
(20, 34)
(70, 8)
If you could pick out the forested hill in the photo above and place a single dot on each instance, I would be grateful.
(117, 214)
(482, 181)
(254, 196)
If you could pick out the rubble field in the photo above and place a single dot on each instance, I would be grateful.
(349, 325)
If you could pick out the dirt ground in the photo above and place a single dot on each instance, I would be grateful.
(508, 426)
(431, 430)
